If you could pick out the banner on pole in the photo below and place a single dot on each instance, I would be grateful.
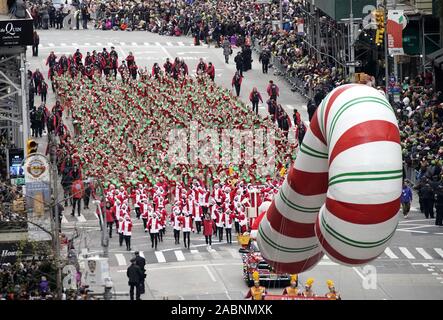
(38, 196)
(301, 26)
(395, 25)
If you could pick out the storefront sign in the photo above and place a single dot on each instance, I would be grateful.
(16, 32)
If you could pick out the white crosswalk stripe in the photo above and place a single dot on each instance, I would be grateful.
(160, 256)
(75, 44)
(158, 44)
(121, 260)
(439, 252)
(390, 254)
(146, 43)
(51, 44)
(196, 255)
(87, 44)
(424, 253)
(122, 43)
(99, 44)
(134, 44)
(63, 44)
(214, 254)
(179, 255)
(81, 218)
(234, 253)
(110, 44)
(407, 253)
(169, 44)
(181, 44)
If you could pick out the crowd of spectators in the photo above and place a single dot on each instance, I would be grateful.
(26, 280)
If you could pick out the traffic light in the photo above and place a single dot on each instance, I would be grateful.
(31, 147)
(380, 21)
(379, 36)
(380, 18)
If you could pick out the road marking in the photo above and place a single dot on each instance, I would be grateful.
(121, 259)
(406, 253)
(122, 43)
(234, 253)
(358, 272)
(169, 44)
(439, 251)
(179, 255)
(210, 274)
(412, 231)
(430, 269)
(160, 257)
(327, 263)
(64, 220)
(110, 44)
(51, 44)
(164, 50)
(87, 44)
(407, 221)
(181, 44)
(181, 266)
(80, 218)
(424, 253)
(63, 44)
(74, 44)
(99, 44)
(193, 251)
(146, 43)
(434, 273)
(198, 245)
(214, 254)
(134, 44)
(390, 254)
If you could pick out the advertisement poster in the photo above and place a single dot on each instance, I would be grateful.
(396, 23)
(38, 196)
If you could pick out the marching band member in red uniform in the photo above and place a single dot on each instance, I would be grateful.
(187, 226)
(127, 231)
(228, 219)
(154, 227)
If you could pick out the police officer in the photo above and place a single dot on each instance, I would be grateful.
(141, 262)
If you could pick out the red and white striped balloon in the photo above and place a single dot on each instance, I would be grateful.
(342, 195)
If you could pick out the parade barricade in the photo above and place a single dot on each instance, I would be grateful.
(287, 297)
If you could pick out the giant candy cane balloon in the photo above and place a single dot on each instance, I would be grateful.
(342, 195)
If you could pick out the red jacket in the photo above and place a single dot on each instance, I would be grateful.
(269, 89)
(110, 214)
(208, 227)
(211, 71)
(259, 96)
(239, 80)
(77, 189)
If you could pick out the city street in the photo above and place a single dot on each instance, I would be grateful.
(410, 268)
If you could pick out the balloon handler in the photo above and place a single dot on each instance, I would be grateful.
(256, 292)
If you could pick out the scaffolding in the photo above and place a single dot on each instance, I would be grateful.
(15, 35)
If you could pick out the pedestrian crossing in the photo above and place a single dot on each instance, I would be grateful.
(113, 44)
(229, 252)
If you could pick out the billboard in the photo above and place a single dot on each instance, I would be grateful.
(340, 9)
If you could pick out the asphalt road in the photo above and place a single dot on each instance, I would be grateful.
(411, 267)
